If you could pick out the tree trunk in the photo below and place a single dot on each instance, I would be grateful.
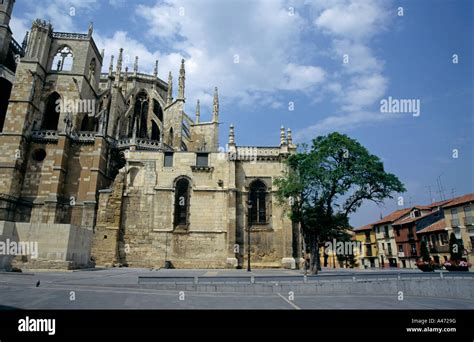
(315, 262)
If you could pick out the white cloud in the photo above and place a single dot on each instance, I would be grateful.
(360, 83)
(341, 122)
(352, 19)
(61, 13)
(19, 27)
(364, 91)
(249, 52)
(300, 77)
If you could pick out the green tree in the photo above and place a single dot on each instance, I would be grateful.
(425, 253)
(455, 248)
(325, 183)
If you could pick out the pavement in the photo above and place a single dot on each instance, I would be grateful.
(119, 288)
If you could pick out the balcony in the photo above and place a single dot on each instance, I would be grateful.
(45, 136)
(439, 249)
(468, 221)
(455, 222)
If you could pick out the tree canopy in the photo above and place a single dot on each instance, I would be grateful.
(326, 182)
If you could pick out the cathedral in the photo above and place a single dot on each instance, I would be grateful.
(108, 169)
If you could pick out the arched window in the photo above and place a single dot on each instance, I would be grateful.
(171, 137)
(51, 114)
(4, 97)
(181, 203)
(63, 59)
(155, 131)
(141, 112)
(130, 127)
(157, 110)
(87, 124)
(132, 173)
(258, 196)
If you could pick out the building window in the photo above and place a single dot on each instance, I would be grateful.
(157, 110)
(400, 248)
(202, 159)
(413, 249)
(386, 232)
(367, 236)
(181, 203)
(171, 137)
(168, 159)
(63, 59)
(140, 114)
(39, 155)
(51, 113)
(398, 231)
(444, 238)
(389, 247)
(155, 131)
(258, 196)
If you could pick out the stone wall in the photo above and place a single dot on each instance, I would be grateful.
(59, 245)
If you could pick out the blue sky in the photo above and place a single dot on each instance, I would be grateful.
(293, 51)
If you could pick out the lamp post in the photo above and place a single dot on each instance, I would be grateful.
(249, 208)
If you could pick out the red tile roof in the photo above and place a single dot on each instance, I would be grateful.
(409, 219)
(393, 216)
(460, 200)
(366, 227)
(434, 227)
(439, 203)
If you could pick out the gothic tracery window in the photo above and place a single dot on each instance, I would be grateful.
(63, 59)
(258, 196)
(141, 112)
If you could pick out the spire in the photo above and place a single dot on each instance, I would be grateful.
(125, 80)
(231, 135)
(135, 66)
(155, 72)
(182, 76)
(169, 98)
(118, 73)
(111, 66)
(102, 53)
(24, 45)
(198, 111)
(215, 107)
(282, 136)
(91, 29)
(289, 137)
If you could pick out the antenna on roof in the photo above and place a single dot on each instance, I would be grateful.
(453, 192)
(431, 194)
(440, 188)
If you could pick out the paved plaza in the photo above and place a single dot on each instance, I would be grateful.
(121, 288)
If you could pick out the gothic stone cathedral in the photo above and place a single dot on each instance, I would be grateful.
(109, 169)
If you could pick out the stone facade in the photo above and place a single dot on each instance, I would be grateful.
(114, 159)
